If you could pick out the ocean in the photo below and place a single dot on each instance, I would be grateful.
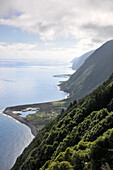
(24, 85)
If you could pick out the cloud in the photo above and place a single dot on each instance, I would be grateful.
(89, 22)
(16, 50)
(32, 51)
(55, 18)
(54, 55)
(101, 32)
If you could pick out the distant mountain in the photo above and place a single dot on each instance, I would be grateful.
(78, 61)
(94, 71)
(80, 138)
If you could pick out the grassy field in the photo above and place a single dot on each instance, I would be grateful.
(46, 113)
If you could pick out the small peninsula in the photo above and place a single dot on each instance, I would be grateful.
(45, 112)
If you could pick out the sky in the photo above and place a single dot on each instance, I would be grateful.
(57, 30)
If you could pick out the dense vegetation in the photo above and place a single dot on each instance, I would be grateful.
(80, 138)
(96, 69)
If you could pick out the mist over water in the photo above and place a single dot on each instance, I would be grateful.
(24, 85)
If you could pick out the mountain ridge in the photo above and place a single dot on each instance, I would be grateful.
(96, 69)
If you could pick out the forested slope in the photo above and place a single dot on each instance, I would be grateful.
(80, 138)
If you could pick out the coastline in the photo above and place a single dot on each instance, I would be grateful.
(63, 75)
(53, 108)
(59, 89)
(8, 112)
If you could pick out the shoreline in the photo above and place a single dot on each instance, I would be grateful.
(59, 89)
(62, 75)
(7, 111)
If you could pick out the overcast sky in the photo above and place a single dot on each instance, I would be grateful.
(53, 29)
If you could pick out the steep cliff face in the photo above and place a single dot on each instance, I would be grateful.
(96, 69)
(79, 138)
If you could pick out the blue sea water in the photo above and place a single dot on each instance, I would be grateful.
(14, 137)
(24, 85)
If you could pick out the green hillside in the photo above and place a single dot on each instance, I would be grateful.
(96, 69)
(80, 138)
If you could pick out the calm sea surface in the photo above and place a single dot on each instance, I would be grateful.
(24, 85)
